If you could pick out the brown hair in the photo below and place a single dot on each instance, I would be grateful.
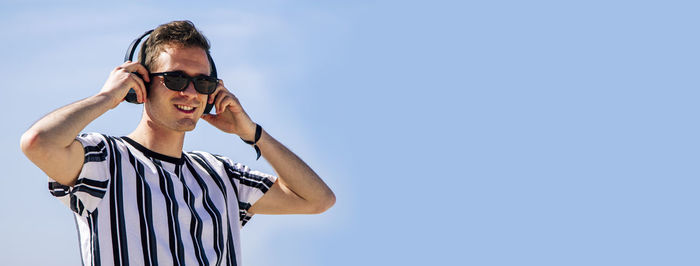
(177, 33)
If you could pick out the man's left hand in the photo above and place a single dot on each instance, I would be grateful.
(230, 116)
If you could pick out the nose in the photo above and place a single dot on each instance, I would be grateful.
(189, 90)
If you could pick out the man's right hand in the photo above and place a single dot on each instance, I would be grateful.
(122, 79)
(50, 143)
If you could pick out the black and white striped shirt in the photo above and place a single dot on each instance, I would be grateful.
(134, 206)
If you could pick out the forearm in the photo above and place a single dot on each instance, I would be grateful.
(298, 188)
(50, 142)
(60, 127)
(294, 174)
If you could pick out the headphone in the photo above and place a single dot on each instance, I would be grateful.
(131, 95)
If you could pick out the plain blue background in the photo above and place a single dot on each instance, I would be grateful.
(453, 132)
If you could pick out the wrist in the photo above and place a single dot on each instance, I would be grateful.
(249, 133)
(254, 142)
(107, 99)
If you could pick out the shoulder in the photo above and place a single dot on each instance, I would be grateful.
(211, 159)
(94, 135)
(217, 162)
(94, 138)
(97, 142)
(201, 155)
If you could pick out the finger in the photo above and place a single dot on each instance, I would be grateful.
(219, 89)
(125, 64)
(219, 100)
(227, 103)
(235, 106)
(213, 96)
(210, 118)
(220, 85)
(136, 67)
(138, 86)
(139, 68)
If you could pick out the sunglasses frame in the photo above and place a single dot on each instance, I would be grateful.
(181, 74)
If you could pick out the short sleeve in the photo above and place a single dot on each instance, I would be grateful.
(250, 185)
(91, 186)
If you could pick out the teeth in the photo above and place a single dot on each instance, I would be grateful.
(186, 108)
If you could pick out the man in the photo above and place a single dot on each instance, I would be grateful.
(140, 199)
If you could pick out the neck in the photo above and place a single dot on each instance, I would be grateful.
(158, 139)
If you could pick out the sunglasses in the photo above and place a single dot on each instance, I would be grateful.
(178, 81)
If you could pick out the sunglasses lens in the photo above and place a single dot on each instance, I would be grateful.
(205, 86)
(179, 81)
(176, 83)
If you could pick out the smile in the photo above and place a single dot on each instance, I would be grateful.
(185, 108)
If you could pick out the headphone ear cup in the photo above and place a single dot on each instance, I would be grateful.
(207, 109)
(131, 96)
(212, 72)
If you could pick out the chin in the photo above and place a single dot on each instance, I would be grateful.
(186, 125)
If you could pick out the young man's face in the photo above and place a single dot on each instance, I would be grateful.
(177, 110)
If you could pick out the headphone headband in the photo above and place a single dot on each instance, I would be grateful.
(132, 49)
(131, 96)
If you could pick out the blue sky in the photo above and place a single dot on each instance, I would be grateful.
(453, 132)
